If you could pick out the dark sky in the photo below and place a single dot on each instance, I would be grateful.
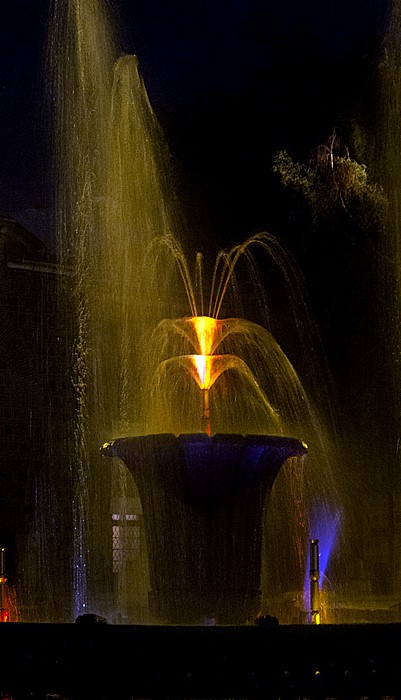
(231, 81)
(201, 45)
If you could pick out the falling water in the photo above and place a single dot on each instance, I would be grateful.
(110, 204)
(115, 222)
(386, 165)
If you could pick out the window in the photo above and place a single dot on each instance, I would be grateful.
(126, 531)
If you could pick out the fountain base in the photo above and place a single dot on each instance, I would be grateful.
(203, 500)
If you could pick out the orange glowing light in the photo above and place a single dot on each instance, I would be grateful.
(203, 365)
(208, 368)
(206, 329)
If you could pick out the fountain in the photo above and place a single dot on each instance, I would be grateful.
(126, 305)
(207, 401)
(206, 494)
(136, 372)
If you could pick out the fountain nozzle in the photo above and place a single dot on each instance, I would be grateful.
(314, 576)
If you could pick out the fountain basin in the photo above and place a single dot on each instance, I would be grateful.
(203, 501)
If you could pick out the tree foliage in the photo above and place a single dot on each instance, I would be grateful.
(332, 183)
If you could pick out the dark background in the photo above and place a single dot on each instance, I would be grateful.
(232, 82)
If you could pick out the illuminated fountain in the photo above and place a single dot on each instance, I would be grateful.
(204, 493)
(139, 373)
(207, 496)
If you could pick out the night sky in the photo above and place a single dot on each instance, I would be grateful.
(231, 82)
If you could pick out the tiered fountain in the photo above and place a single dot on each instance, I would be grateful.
(208, 404)
(137, 373)
(207, 496)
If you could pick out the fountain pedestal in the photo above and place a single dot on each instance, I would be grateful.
(203, 500)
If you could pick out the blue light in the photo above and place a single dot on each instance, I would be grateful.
(324, 526)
